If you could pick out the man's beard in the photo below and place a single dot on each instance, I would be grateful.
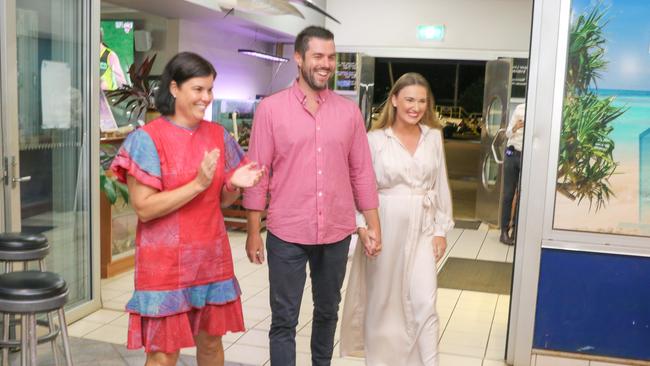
(309, 79)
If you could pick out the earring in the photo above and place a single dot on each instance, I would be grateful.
(173, 96)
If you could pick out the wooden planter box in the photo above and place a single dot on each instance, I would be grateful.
(235, 216)
(109, 265)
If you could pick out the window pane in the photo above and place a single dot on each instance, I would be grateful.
(52, 129)
(602, 183)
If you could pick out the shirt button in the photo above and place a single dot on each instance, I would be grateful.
(318, 128)
(318, 149)
(320, 194)
(320, 172)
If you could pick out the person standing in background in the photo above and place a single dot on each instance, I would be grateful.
(314, 143)
(511, 172)
(111, 74)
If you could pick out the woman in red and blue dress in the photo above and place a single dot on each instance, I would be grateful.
(180, 171)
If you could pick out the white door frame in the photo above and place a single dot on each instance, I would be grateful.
(545, 38)
(9, 110)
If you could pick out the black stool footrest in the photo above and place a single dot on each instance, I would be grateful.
(42, 339)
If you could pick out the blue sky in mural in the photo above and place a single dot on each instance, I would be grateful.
(628, 46)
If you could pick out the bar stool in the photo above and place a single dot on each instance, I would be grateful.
(28, 293)
(22, 247)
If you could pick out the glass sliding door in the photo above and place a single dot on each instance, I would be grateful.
(49, 153)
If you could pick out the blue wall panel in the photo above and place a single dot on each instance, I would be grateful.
(597, 304)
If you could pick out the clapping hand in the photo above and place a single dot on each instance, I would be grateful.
(247, 176)
(208, 166)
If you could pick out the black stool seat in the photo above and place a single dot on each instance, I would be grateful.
(31, 291)
(22, 241)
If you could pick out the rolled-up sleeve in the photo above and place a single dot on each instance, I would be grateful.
(362, 175)
(260, 150)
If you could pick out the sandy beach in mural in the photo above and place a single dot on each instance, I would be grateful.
(621, 214)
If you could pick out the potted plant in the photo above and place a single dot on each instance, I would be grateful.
(139, 95)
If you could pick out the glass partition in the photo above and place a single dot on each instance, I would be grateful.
(603, 176)
(53, 135)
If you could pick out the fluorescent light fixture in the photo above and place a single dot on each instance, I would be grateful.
(263, 55)
(431, 32)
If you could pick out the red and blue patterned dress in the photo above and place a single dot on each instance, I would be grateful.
(184, 278)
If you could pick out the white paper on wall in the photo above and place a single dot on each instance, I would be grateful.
(55, 94)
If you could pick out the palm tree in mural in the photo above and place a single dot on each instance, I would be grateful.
(586, 159)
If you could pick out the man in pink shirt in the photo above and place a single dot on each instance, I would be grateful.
(314, 143)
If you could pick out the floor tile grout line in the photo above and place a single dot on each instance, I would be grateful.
(482, 243)
(491, 325)
(450, 315)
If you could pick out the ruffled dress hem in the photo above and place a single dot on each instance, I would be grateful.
(166, 321)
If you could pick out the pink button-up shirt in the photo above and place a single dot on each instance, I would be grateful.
(320, 166)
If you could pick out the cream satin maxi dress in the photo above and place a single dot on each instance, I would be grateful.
(390, 303)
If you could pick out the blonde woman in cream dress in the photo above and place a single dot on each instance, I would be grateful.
(390, 303)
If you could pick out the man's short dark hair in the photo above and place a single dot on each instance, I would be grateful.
(302, 39)
(180, 68)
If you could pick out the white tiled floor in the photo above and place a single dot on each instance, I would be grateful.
(473, 325)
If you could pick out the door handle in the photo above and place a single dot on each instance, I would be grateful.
(21, 179)
(16, 180)
(494, 150)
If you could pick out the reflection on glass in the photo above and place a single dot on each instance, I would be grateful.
(52, 127)
(644, 177)
(602, 175)
(494, 117)
(490, 172)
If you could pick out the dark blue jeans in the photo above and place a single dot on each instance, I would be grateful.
(287, 275)
(511, 172)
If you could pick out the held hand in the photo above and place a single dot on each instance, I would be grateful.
(255, 248)
(370, 241)
(208, 166)
(439, 247)
(375, 239)
(365, 240)
(247, 176)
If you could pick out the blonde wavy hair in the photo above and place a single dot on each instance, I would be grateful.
(388, 112)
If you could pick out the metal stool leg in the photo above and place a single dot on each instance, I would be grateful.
(24, 339)
(50, 321)
(5, 337)
(55, 348)
(64, 335)
(33, 340)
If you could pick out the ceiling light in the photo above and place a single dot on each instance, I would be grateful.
(263, 55)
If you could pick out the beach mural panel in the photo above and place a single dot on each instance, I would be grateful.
(603, 178)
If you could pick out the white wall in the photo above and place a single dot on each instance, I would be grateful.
(475, 29)
(238, 76)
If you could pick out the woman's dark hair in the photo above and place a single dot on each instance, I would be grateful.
(183, 66)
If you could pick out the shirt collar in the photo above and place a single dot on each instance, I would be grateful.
(424, 129)
(295, 88)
